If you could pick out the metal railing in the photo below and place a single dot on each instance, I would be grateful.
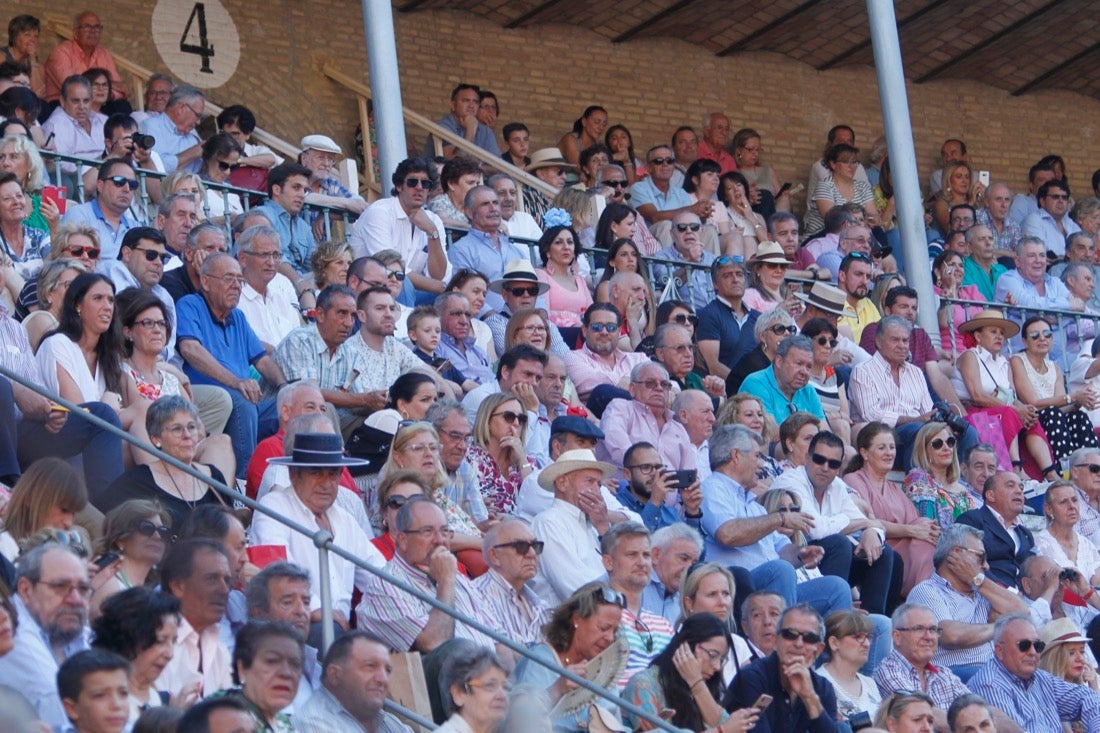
(326, 545)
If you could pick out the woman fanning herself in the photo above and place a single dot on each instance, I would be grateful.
(1040, 384)
(687, 679)
(912, 536)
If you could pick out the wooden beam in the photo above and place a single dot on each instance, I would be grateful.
(651, 21)
(768, 28)
(531, 14)
(866, 43)
(411, 5)
(979, 47)
(1071, 61)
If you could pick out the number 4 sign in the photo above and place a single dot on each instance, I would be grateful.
(198, 41)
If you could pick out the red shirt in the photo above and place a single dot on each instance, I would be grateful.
(721, 157)
(273, 448)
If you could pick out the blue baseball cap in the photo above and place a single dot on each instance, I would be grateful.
(576, 425)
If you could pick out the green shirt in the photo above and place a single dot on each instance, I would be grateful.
(975, 274)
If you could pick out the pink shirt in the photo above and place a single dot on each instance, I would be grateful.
(566, 306)
(756, 301)
(721, 157)
(626, 422)
(67, 59)
(588, 371)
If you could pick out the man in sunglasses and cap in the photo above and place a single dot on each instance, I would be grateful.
(518, 287)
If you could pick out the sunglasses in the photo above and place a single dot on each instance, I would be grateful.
(424, 183)
(1025, 645)
(878, 254)
(616, 183)
(808, 637)
(662, 161)
(780, 330)
(775, 265)
(604, 594)
(687, 227)
(683, 318)
(223, 166)
(151, 255)
(603, 327)
(833, 463)
(121, 181)
(939, 443)
(79, 251)
(146, 528)
(398, 275)
(826, 341)
(1044, 334)
(512, 417)
(522, 547)
(857, 255)
(530, 292)
(794, 509)
(1093, 468)
(396, 502)
(662, 384)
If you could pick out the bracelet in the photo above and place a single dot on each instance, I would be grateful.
(1090, 594)
(696, 682)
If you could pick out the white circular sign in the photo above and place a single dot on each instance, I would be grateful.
(197, 40)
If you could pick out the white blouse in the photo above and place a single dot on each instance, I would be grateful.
(60, 350)
(993, 370)
(1088, 557)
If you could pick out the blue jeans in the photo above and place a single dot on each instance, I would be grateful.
(249, 423)
(101, 452)
(825, 594)
(9, 460)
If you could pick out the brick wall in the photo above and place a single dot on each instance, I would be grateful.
(545, 75)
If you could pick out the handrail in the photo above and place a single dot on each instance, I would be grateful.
(62, 28)
(325, 543)
(418, 120)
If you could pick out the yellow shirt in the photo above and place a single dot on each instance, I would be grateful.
(866, 313)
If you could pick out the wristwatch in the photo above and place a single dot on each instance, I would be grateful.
(979, 579)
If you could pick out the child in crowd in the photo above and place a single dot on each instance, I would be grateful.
(424, 331)
(95, 690)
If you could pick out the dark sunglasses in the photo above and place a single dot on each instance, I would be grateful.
(833, 463)
(616, 183)
(78, 251)
(1092, 467)
(603, 327)
(424, 183)
(522, 547)
(1025, 645)
(683, 318)
(826, 341)
(530, 291)
(662, 161)
(121, 181)
(794, 509)
(1045, 333)
(223, 166)
(151, 255)
(686, 227)
(146, 528)
(396, 502)
(779, 330)
(512, 417)
(939, 442)
(604, 594)
(882, 252)
(808, 637)
(398, 275)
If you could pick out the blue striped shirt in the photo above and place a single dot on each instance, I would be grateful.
(1039, 704)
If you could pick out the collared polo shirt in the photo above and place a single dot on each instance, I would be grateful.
(232, 341)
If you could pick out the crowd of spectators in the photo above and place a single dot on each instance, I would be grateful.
(657, 428)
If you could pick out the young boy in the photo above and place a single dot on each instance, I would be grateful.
(94, 686)
(424, 331)
(517, 140)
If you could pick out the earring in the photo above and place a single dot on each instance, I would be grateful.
(157, 445)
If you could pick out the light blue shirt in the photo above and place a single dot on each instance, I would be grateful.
(763, 385)
(1026, 295)
(170, 143)
(700, 291)
(644, 192)
(295, 234)
(473, 362)
(110, 240)
(1040, 704)
(477, 251)
(725, 499)
(1042, 225)
(122, 278)
(657, 599)
(484, 138)
(1023, 204)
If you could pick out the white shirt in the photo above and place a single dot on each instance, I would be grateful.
(69, 138)
(300, 550)
(571, 557)
(385, 225)
(835, 511)
(277, 477)
(523, 226)
(191, 649)
(60, 351)
(532, 500)
(274, 315)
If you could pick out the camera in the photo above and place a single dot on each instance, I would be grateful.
(943, 413)
(145, 142)
(860, 720)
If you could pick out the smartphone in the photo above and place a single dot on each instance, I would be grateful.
(441, 365)
(57, 194)
(983, 178)
(685, 478)
(54, 407)
(106, 559)
(783, 189)
(762, 702)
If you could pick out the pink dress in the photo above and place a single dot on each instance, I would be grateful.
(566, 306)
(959, 315)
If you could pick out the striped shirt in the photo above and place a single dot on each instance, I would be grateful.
(947, 603)
(520, 613)
(896, 673)
(16, 354)
(874, 395)
(1039, 704)
(398, 618)
(647, 635)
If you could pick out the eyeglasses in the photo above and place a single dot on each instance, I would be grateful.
(683, 318)
(65, 587)
(511, 417)
(826, 341)
(522, 547)
(603, 327)
(934, 630)
(679, 348)
(793, 509)
(455, 435)
(661, 384)
(1093, 468)
(460, 314)
(121, 181)
(604, 594)
(229, 280)
(688, 227)
(398, 275)
(776, 266)
(424, 183)
(862, 637)
(857, 255)
(780, 330)
(198, 115)
(713, 655)
(146, 528)
(223, 166)
(641, 628)
(646, 468)
(879, 254)
(426, 533)
(97, 28)
(1025, 645)
(492, 688)
(273, 256)
(940, 442)
(808, 637)
(80, 251)
(179, 429)
(423, 448)
(833, 463)
(1058, 196)
(530, 292)
(980, 554)
(1044, 334)
(534, 328)
(152, 323)
(151, 255)
(616, 183)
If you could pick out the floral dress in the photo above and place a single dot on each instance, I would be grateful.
(933, 500)
(498, 490)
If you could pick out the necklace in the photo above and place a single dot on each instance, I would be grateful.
(179, 491)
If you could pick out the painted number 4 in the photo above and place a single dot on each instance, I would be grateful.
(203, 48)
